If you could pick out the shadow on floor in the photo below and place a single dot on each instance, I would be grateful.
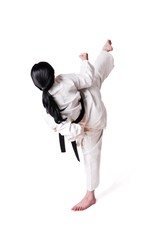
(118, 183)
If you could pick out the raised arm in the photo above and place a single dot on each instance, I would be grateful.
(86, 76)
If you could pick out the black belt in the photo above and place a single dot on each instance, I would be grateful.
(74, 145)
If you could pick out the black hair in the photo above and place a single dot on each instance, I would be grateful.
(42, 75)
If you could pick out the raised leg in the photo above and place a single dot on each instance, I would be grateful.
(103, 64)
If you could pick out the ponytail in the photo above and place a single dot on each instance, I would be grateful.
(43, 77)
(51, 107)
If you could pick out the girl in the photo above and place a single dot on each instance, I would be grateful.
(75, 110)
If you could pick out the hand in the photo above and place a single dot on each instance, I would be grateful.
(83, 56)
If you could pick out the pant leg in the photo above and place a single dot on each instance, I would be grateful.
(91, 148)
(103, 66)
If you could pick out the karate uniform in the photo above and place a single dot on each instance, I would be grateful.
(67, 90)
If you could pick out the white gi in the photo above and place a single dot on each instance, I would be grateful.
(66, 92)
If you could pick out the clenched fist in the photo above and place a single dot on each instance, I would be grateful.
(83, 56)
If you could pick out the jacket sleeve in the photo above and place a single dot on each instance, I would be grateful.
(86, 76)
(71, 131)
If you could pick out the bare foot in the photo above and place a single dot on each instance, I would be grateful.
(86, 202)
(108, 46)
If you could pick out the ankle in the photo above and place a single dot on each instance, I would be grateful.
(90, 194)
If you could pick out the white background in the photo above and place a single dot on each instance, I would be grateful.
(38, 184)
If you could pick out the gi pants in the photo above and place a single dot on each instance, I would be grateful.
(92, 142)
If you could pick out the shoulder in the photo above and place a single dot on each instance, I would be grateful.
(63, 76)
(66, 78)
